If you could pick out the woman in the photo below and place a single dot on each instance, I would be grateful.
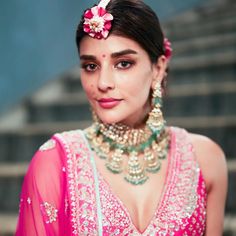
(129, 173)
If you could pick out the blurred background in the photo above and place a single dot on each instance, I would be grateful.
(40, 90)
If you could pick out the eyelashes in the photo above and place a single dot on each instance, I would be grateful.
(121, 64)
(124, 64)
(89, 67)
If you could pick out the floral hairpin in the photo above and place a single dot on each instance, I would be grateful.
(168, 48)
(97, 21)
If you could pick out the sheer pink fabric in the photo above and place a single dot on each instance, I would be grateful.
(42, 203)
(63, 194)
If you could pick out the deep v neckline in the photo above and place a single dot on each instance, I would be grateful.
(164, 190)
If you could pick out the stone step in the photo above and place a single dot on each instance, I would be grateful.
(203, 122)
(200, 100)
(11, 182)
(191, 29)
(204, 61)
(8, 224)
(21, 143)
(221, 129)
(209, 11)
(230, 225)
(209, 68)
(10, 188)
(201, 89)
(71, 81)
(13, 170)
(203, 44)
(210, 74)
(231, 196)
(70, 107)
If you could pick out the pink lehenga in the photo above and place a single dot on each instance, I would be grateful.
(64, 194)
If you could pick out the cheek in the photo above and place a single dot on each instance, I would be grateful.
(137, 94)
(139, 86)
(89, 88)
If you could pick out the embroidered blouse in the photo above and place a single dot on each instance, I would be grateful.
(64, 194)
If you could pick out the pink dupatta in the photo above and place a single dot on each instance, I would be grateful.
(43, 210)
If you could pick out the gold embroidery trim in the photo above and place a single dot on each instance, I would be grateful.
(50, 144)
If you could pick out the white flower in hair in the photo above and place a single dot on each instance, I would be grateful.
(97, 22)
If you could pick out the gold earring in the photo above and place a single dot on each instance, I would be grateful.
(155, 119)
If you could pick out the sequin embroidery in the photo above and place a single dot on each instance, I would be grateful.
(29, 200)
(49, 211)
(50, 144)
(82, 198)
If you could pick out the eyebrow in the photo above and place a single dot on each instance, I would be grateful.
(123, 52)
(87, 57)
(113, 55)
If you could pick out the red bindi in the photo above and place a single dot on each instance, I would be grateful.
(103, 55)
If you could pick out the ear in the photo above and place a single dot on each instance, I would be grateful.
(159, 70)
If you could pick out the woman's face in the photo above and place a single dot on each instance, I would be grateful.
(117, 76)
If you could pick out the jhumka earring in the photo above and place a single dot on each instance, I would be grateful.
(155, 119)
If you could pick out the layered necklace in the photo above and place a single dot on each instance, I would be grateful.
(134, 152)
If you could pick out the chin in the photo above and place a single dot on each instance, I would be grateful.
(109, 118)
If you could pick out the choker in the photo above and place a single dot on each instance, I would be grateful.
(134, 152)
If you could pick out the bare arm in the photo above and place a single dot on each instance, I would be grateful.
(213, 165)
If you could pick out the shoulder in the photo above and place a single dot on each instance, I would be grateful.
(69, 136)
(52, 151)
(46, 159)
(51, 155)
(211, 159)
(206, 147)
(45, 171)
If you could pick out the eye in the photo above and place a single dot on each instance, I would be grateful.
(124, 64)
(89, 67)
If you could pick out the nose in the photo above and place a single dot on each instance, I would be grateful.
(106, 80)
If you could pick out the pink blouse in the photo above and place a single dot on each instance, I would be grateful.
(64, 194)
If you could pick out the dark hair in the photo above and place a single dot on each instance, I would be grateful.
(135, 20)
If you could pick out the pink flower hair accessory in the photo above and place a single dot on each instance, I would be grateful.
(97, 21)
(168, 48)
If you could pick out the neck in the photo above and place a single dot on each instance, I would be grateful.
(138, 121)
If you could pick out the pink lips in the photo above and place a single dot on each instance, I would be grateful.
(108, 103)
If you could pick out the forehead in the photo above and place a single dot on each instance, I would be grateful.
(113, 43)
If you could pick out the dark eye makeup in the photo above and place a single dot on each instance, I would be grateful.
(89, 67)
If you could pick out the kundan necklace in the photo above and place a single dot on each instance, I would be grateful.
(132, 151)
